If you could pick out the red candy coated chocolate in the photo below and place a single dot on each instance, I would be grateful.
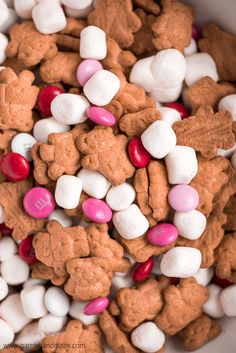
(45, 99)
(4, 230)
(14, 166)
(180, 108)
(26, 250)
(138, 155)
(143, 270)
(223, 283)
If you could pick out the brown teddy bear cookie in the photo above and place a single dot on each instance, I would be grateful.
(230, 211)
(226, 258)
(6, 137)
(149, 6)
(41, 271)
(68, 38)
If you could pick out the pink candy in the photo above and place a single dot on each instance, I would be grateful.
(97, 210)
(183, 198)
(96, 306)
(87, 69)
(196, 32)
(162, 234)
(39, 202)
(101, 116)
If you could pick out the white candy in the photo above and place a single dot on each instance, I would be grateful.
(6, 334)
(182, 165)
(48, 17)
(233, 160)
(57, 302)
(15, 271)
(60, 216)
(191, 48)
(1, 220)
(119, 282)
(11, 20)
(22, 144)
(3, 288)
(204, 276)
(4, 12)
(93, 43)
(78, 13)
(159, 139)
(120, 197)
(3, 45)
(32, 300)
(68, 191)
(77, 5)
(228, 300)
(94, 183)
(226, 153)
(9, 3)
(182, 262)
(212, 306)
(140, 70)
(8, 248)
(130, 223)
(69, 109)
(169, 115)
(190, 225)
(76, 312)
(12, 312)
(148, 337)
(30, 337)
(166, 95)
(200, 65)
(33, 282)
(168, 68)
(101, 88)
(45, 127)
(24, 8)
(229, 103)
(50, 324)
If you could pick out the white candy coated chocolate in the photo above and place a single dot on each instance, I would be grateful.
(22, 144)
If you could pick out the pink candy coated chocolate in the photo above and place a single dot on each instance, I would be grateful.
(101, 116)
(162, 234)
(87, 69)
(183, 198)
(96, 306)
(196, 32)
(97, 210)
(39, 202)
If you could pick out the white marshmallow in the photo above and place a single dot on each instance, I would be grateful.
(94, 183)
(169, 115)
(182, 165)
(68, 191)
(119, 282)
(233, 160)
(69, 109)
(24, 8)
(3, 288)
(8, 248)
(77, 312)
(204, 276)
(200, 65)
(78, 13)
(33, 282)
(15, 271)
(32, 300)
(226, 153)
(12, 312)
(166, 95)
(45, 127)
(148, 337)
(120, 197)
(228, 300)
(191, 48)
(50, 324)
(212, 306)
(22, 144)
(4, 12)
(168, 68)
(11, 20)
(30, 337)
(60, 216)
(102, 87)
(48, 17)
(6, 334)
(93, 43)
(159, 139)
(57, 302)
(140, 70)
(182, 262)
(9, 3)
(130, 223)
(1, 221)
(190, 225)
(228, 103)
(3, 45)
(106, 348)
(77, 5)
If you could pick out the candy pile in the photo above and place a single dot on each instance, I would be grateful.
(117, 176)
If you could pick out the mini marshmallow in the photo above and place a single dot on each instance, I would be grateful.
(226, 153)
(233, 160)
(9, 3)
(204, 276)
(11, 20)
(1, 221)
(93, 43)
(228, 300)
(50, 324)
(44, 127)
(3, 288)
(24, 8)
(140, 70)
(15, 271)
(181, 164)
(119, 282)
(130, 223)
(68, 191)
(181, 262)
(120, 197)
(11, 311)
(4, 12)
(77, 5)
(34, 282)
(61, 217)
(166, 95)
(191, 48)
(30, 336)
(200, 65)
(6, 334)
(169, 115)
(3, 45)
(94, 183)
(22, 144)
(102, 87)
(78, 13)
(148, 337)
(228, 103)
(77, 313)
(159, 139)
(48, 17)
(190, 225)
(212, 306)
(8, 248)
(57, 302)
(32, 300)
(168, 68)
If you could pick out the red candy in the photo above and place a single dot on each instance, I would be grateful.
(14, 166)
(196, 33)
(143, 270)
(26, 251)
(138, 155)
(45, 99)
(4, 230)
(180, 108)
(221, 282)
